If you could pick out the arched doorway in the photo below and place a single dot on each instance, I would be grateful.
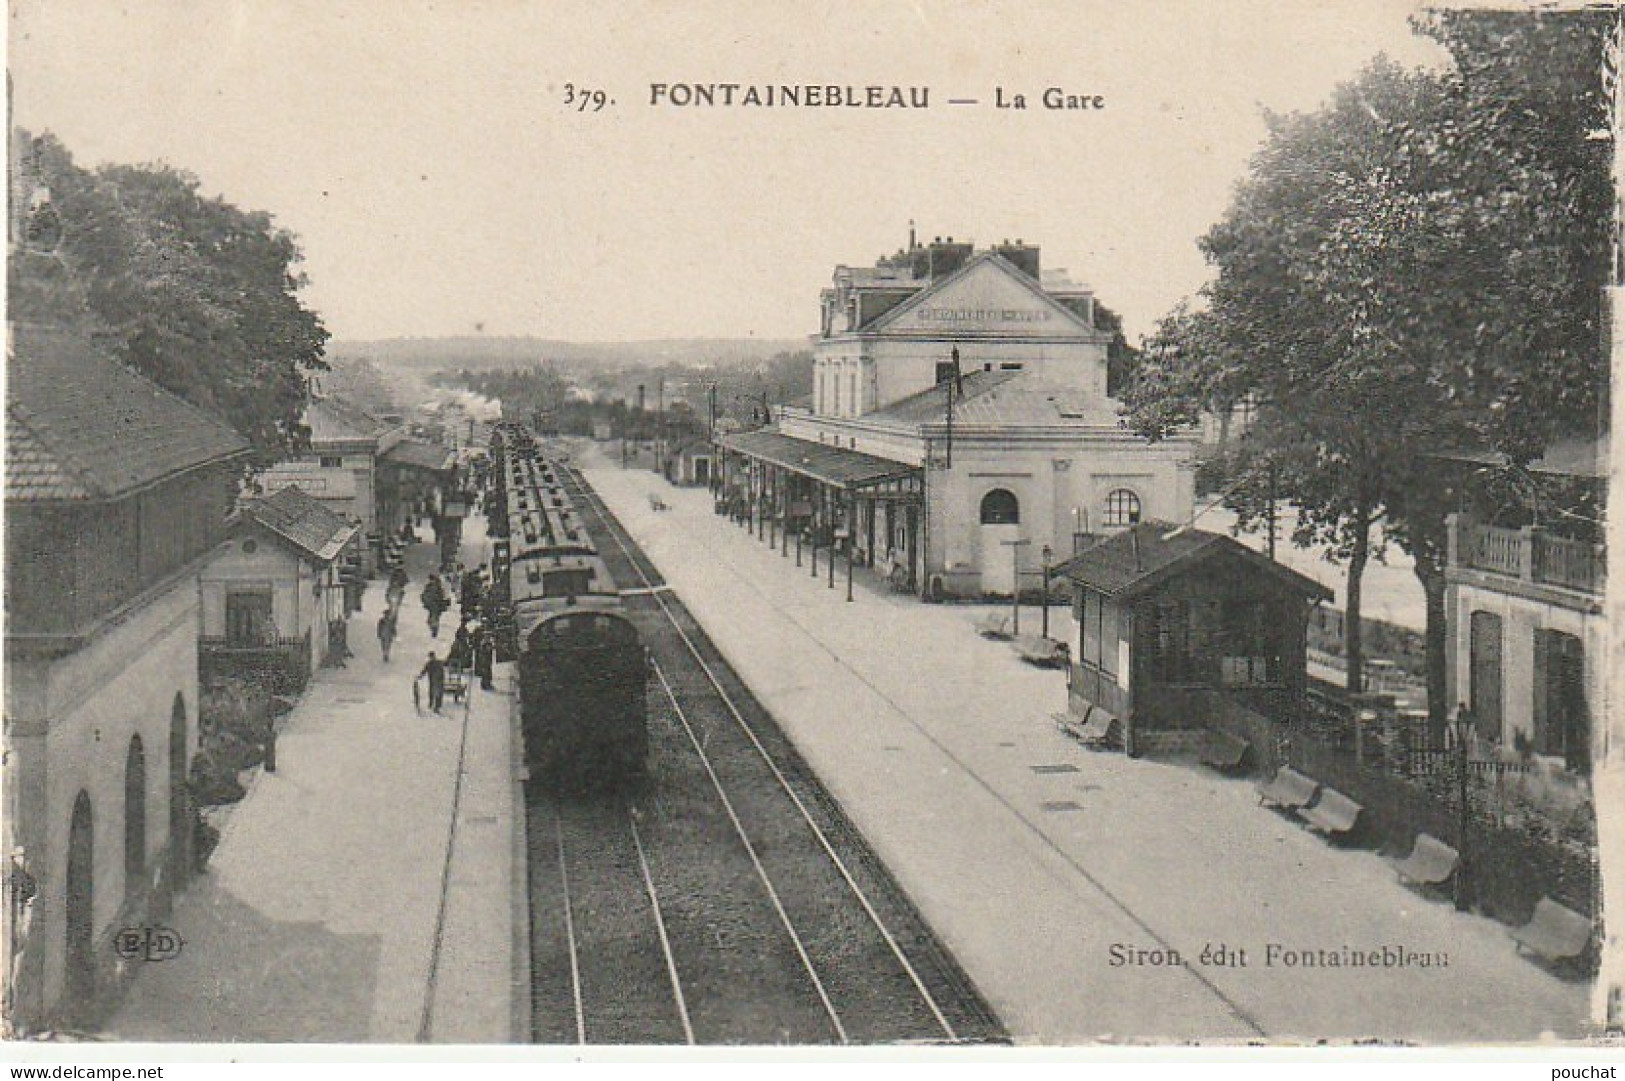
(1001, 524)
(80, 971)
(135, 819)
(180, 811)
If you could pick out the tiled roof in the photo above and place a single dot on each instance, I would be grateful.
(832, 465)
(1142, 556)
(1006, 399)
(83, 426)
(303, 521)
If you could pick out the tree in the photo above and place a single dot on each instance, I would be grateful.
(1412, 269)
(192, 292)
(1285, 324)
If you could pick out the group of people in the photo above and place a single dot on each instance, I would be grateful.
(473, 647)
(389, 622)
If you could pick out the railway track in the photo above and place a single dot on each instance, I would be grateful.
(788, 929)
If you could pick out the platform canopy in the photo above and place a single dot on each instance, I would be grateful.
(835, 466)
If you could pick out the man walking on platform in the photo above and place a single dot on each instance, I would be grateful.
(435, 671)
(386, 632)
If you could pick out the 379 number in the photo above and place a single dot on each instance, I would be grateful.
(585, 99)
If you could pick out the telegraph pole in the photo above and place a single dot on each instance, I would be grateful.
(1015, 547)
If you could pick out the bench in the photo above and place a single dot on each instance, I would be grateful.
(1223, 751)
(1288, 789)
(1431, 862)
(1043, 652)
(1555, 932)
(1332, 814)
(1094, 731)
(994, 625)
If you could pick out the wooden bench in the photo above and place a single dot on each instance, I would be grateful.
(1094, 731)
(1288, 789)
(1431, 862)
(1223, 751)
(1332, 814)
(1555, 932)
(994, 625)
(1043, 652)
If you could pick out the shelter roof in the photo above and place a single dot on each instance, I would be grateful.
(1138, 559)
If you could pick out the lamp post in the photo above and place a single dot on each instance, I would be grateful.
(1046, 554)
(1463, 733)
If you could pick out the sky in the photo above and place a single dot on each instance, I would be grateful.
(439, 184)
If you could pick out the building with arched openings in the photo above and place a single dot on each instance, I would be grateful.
(116, 494)
(960, 425)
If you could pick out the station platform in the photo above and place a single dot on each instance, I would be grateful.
(1065, 880)
(368, 891)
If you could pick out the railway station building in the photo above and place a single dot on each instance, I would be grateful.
(341, 468)
(960, 432)
(1524, 607)
(117, 493)
(273, 596)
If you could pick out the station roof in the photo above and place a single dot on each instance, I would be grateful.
(419, 454)
(836, 466)
(82, 426)
(303, 521)
(1140, 558)
(1000, 399)
(334, 420)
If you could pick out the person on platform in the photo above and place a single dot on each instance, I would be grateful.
(471, 589)
(435, 672)
(461, 652)
(397, 586)
(386, 632)
(435, 602)
(485, 649)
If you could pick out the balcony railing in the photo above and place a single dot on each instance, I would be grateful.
(1528, 554)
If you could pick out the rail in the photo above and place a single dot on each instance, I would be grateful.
(592, 499)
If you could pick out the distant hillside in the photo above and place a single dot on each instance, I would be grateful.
(476, 353)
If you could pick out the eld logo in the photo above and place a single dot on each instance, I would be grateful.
(148, 944)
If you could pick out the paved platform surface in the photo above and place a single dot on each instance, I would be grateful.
(1042, 864)
(331, 911)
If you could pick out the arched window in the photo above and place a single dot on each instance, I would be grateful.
(135, 816)
(1122, 508)
(999, 507)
